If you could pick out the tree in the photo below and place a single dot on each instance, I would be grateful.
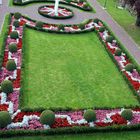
(136, 5)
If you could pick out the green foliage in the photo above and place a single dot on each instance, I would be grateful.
(110, 39)
(11, 65)
(14, 35)
(39, 24)
(7, 86)
(68, 1)
(47, 117)
(16, 23)
(13, 47)
(90, 115)
(101, 29)
(127, 114)
(5, 119)
(61, 27)
(129, 67)
(17, 15)
(96, 20)
(118, 52)
(82, 26)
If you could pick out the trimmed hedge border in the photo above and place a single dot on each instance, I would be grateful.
(50, 1)
(72, 130)
(56, 17)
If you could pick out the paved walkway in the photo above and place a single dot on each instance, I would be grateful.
(79, 16)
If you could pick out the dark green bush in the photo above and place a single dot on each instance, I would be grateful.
(82, 26)
(61, 27)
(7, 86)
(47, 117)
(129, 67)
(13, 47)
(118, 52)
(5, 119)
(39, 24)
(90, 115)
(127, 114)
(17, 15)
(16, 23)
(96, 20)
(110, 39)
(14, 35)
(101, 29)
(11, 65)
(68, 1)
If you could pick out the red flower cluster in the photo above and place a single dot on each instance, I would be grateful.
(20, 115)
(16, 83)
(3, 107)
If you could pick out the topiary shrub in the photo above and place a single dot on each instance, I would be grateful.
(7, 86)
(127, 114)
(5, 119)
(14, 35)
(118, 52)
(16, 23)
(110, 39)
(13, 47)
(47, 117)
(39, 24)
(11, 65)
(96, 20)
(82, 26)
(101, 29)
(61, 27)
(90, 115)
(17, 15)
(129, 67)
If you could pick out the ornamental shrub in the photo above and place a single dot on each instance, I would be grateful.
(82, 26)
(68, 1)
(16, 23)
(127, 114)
(110, 39)
(101, 29)
(5, 119)
(118, 52)
(17, 15)
(14, 35)
(90, 115)
(129, 67)
(13, 47)
(39, 24)
(11, 65)
(47, 117)
(61, 27)
(96, 20)
(7, 86)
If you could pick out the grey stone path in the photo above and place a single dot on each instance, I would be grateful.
(79, 16)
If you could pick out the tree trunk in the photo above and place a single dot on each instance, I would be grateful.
(138, 21)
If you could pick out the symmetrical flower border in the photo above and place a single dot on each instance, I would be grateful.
(70, 121)
(84, 5)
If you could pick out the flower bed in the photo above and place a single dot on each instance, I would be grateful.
(23, 120)
(83, 4)
(48, 11)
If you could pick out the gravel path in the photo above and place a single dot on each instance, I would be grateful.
(79, 16)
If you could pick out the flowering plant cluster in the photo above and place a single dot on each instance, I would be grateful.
(49, 11)
(31, 120)
(82, 4)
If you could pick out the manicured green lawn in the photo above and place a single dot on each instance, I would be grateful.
(124, 18)
(71, 71)
(94, 136)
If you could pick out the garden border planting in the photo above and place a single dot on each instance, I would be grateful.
(72, 121)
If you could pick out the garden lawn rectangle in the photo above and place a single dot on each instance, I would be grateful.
(71, 71)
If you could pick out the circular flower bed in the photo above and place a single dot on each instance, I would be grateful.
(48, 11)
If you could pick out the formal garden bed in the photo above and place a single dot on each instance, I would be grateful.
(81, 4)
(49, 11)
(77, 119)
